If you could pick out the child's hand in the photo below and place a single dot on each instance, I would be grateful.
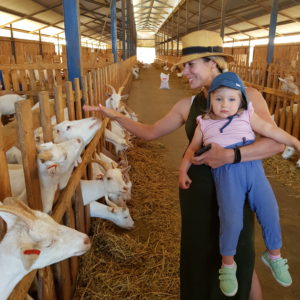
(184, 181)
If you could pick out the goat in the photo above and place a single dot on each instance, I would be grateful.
(121, 144)
(288, 85)
(120, 171)
(55, 166)
(14, 155)
(7, 103)
(84, 129)
(33, 240)
(114, 99)
(118, 215)
(109, 183)
(288, 152)
(135, 72)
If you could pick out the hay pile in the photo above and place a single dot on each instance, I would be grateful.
(142, 263)
(284, 171)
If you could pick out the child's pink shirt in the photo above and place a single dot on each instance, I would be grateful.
(238, 129)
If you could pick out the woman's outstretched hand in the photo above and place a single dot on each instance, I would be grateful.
(110, 113)
(216, 157)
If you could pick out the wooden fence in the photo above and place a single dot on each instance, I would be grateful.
(43, 74)
(59, 280)
(265, 79)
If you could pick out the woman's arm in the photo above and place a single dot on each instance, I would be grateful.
(174, 119)
(261, 148)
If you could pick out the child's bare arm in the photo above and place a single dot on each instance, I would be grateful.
(184, 180)
(272, 131)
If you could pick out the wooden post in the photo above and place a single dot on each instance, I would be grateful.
(28, 148)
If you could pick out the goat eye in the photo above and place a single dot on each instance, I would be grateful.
(108, 178)
(57, 130)
(125, 217)
(68, 127)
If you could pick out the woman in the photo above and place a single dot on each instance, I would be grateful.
(204, 59)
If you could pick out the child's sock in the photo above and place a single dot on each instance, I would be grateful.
(228, 266)
(273, 257)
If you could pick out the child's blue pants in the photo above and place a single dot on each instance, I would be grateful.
(235, 181)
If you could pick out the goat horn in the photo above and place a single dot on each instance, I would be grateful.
(110, 203)
(101, 163)
(112, 88)
(120, 90)
(23, 215)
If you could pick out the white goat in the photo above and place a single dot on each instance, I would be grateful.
(101, 164)
(288, 85)
(107, 184)
(17, 179)
(135, 72)
(84, 129)
(55, 165)
(121, 144)
(32, 241)
(7, 103)
(113, 101)
(14, 155)
(289, 152)
(118, 215)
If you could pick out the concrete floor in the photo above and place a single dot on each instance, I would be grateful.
(151, 103)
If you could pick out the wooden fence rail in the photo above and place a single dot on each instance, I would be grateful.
(59, 280)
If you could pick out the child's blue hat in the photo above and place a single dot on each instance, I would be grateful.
(230, 80)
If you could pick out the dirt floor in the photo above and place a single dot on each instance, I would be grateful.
(143, 263)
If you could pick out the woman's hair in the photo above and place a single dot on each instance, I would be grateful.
(220, 61)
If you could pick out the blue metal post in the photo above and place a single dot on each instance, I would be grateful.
(272, 31)
(72, 32)
(123, 31)
(113, 17)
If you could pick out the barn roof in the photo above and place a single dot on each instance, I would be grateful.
(243, 19)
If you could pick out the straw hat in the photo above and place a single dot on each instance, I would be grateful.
(202, 43)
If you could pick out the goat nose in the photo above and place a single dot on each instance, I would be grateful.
(87, 241)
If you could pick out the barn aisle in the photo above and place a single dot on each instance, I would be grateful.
(143, 263)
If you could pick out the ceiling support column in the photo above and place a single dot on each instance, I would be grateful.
(123, 3)
(113, 18)
(12, 43)
(72, 32)
(272, 31)
(223, 8)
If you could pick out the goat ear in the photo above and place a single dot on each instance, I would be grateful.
(29, 255)
(45, 156)
(99, 176)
